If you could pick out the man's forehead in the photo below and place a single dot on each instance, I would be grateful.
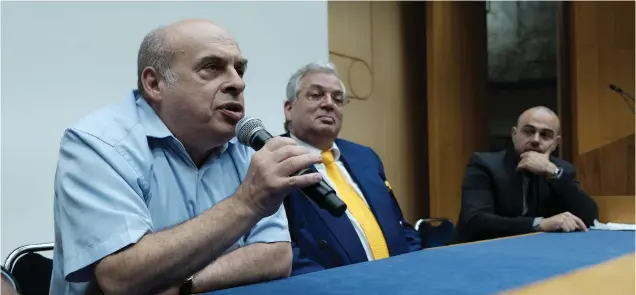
(321, 79)
(539, 126)
(230, 55)
(198, 51)
(540, 123)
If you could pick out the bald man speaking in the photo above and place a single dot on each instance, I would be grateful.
(154, 195)
(525, 189)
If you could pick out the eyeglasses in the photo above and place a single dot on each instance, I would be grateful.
(316, 95)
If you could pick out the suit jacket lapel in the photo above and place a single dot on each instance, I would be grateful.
(374, 190)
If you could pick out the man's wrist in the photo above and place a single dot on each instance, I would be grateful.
(196, 283)
(245, 204)
(187, 286)
(553, 171)
(549, 169)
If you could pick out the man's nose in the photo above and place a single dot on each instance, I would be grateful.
(235, 83)
(328, 101)
(535, 140)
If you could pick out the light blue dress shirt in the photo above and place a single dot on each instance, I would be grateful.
(122, 174)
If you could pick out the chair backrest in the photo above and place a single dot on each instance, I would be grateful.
(435, 232)
(31, 270)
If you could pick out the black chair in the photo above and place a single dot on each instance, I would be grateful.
(31, 270)
(435, 232)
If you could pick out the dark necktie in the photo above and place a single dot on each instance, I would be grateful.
(525, 190)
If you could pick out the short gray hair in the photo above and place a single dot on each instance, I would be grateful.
(293, 85)
(154, 52)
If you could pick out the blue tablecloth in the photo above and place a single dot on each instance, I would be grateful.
(478, 268)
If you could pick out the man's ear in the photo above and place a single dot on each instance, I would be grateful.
(150, 82)
(513, 131)
(557, 141)
(287, 107)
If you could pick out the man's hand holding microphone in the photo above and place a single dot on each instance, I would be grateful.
(277, 168)
(271, 175)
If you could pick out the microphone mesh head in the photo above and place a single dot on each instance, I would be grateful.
(246, 127)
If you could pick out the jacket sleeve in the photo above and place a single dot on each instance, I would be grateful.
(572, 196)
(301, 263)
(412, 236)
(477, 217)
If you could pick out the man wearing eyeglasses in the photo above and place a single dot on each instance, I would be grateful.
(373, 226)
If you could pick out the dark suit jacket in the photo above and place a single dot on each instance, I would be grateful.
(492, 200)
(321, 241)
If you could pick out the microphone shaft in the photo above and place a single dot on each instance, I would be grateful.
(627, 99)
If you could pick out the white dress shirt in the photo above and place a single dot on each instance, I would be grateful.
(323, 171)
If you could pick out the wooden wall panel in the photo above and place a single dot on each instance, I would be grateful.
(372, 33)
(457, 73)
(618, 209)
(602, 53)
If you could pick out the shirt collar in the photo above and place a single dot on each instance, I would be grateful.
(149, 119)
(334, 148)
(232, 141)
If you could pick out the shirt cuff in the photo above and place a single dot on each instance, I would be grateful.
(536, 224)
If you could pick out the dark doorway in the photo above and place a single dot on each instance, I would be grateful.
(522, 63)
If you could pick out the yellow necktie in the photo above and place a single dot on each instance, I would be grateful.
(357, 207)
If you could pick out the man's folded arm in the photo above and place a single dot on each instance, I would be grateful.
(477, 207)
(266, 256)
(572, 196)
(251, 264)
(106, 229)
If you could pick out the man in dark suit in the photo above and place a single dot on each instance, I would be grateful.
(523, 189)
(373, 226)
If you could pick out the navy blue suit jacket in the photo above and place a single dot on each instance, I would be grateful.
(322, 241)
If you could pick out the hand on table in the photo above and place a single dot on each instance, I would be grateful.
(566, 222)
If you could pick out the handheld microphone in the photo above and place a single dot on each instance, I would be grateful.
(251, 132)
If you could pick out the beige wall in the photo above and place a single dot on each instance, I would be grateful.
(371, 33)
